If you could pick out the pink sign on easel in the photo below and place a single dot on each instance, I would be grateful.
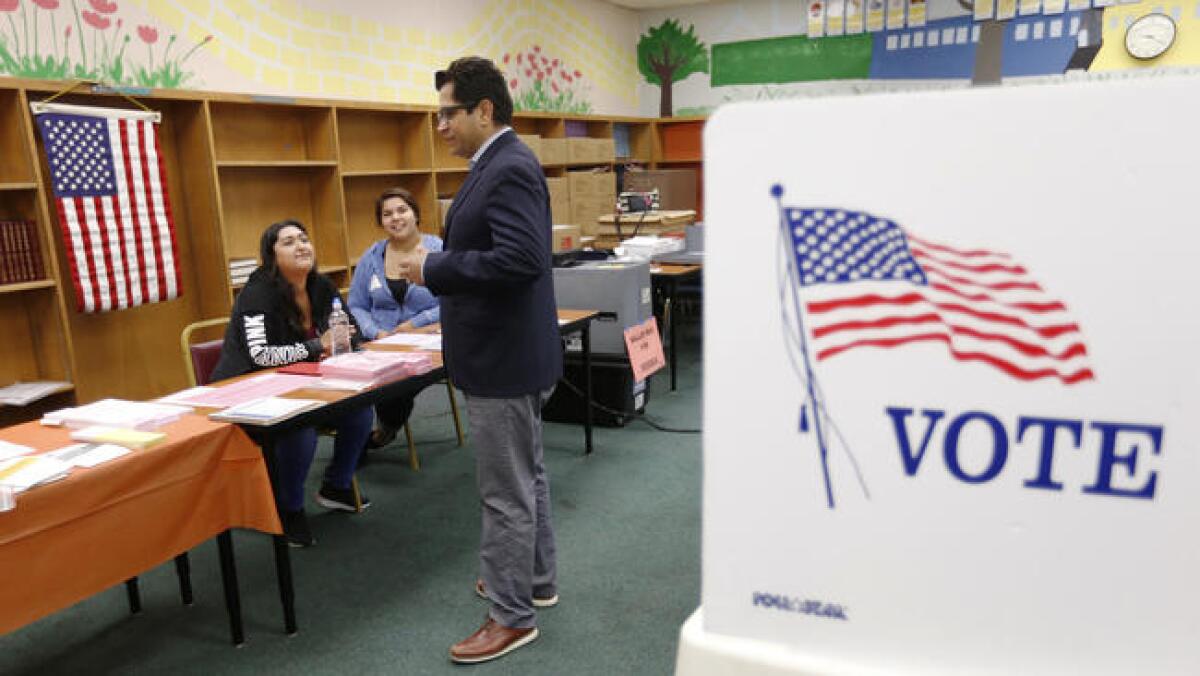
(645, 349)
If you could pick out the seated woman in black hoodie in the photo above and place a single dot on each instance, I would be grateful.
(279, 318)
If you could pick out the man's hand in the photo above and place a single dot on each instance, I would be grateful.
(412, 265)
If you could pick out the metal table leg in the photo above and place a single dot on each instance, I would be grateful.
(233, 598)
(587, 387)
(283, 559)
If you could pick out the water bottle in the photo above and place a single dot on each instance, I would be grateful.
(339, 325)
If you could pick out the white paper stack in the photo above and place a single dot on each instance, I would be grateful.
(20, 394)
(376, 366)
(266, 411)
(11, 450)
(28, 471)
(421, 341)
(134, 415)
(646, 247)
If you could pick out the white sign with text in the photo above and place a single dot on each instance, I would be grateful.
(962, 432)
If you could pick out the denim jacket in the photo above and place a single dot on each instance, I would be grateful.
(372, 303)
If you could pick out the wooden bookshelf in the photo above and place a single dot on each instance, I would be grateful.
(235, 164)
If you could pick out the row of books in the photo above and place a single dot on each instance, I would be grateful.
(240, 269)
(20, 253)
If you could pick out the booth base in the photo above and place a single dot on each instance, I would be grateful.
(702, 653)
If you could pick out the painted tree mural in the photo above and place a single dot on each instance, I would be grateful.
(667, 55)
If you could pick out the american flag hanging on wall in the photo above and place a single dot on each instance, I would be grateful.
(111, 194)
(870, 283)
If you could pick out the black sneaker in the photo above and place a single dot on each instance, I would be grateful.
(295, 529)
(381, 437)
(341, 499)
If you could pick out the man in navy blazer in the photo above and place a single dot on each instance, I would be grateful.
(501, 345)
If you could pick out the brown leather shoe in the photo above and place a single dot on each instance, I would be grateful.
(491, 641)
(538, 602)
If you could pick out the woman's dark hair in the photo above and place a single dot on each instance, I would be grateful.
(281, 287)
(402, 194)
(475, 79)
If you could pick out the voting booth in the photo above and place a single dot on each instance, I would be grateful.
(961, 432)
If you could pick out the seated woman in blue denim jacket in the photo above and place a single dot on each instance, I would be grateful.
(384, 303)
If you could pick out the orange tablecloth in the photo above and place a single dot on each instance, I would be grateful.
(98, 527)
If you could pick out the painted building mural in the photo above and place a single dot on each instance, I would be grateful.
(568, 55)
(770, 49)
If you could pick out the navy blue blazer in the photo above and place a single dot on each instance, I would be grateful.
(494, 278)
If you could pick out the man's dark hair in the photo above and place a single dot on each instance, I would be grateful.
(475, 79)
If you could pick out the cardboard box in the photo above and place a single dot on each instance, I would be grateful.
(579, 184)
(605, 185)
(579, 150)
(566, 238)
(534, 142)
(604, 150)
(586, 212)
(554, 151)
(676, 187)
(560, 199)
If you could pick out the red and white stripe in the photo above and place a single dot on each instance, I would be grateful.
(981, 305)
(122, 247)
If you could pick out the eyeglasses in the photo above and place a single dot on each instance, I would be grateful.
(446, 112)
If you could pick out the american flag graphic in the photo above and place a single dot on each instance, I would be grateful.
(869, 283)
(111, 194)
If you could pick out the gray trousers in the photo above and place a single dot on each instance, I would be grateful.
(516, 548)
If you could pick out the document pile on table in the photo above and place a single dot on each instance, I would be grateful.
(266, 411)
(118, 413)
(26, 471)
(242, 391)
(376, 367)
(20, 394)
(421, 341)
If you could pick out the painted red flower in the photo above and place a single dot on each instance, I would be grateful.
(46, 4)
(148, 34)
(528, 73)
(540, 75)
(536, 48)
(67, 33)
(9, 5)
(102, 6)
(95, 20)
(545, 61)
(554, 87)
(578, 74)
(513, 83)
(506, 58)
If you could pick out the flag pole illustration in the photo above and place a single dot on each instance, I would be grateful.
(869, 284)
(794, 275)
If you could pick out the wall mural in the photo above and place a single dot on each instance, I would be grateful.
(543, 82)
(772, 49)
(372, 50)
(666, 55)
(95, 43)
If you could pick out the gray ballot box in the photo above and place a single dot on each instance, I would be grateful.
(620, 291)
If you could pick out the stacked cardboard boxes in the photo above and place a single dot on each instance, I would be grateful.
(593, 194)
(554, 151)
(583, 150)
(534, 142)
(560, 199)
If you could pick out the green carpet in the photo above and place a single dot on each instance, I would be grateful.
(390, 590)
